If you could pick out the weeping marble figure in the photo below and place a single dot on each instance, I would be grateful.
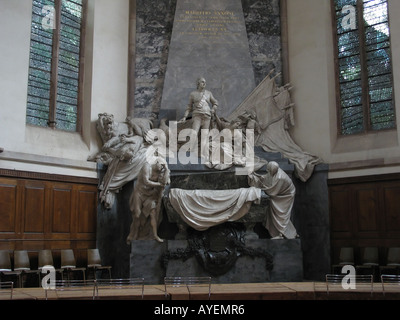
(281, 190)
(145, 201)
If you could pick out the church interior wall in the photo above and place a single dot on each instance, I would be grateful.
(311, 64)
(39, 149)
(363, 169)
(106, 86)
(311, 72)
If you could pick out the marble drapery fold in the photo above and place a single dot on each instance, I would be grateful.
(274, 110)
(281, 190)
(202, 209)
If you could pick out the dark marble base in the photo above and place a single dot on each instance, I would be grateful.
(310, 217)
(146, 261)
(153, 261)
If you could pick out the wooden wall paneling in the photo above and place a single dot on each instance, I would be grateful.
(8, 206)
(391, 209)
(9, 213)
(33, 209)
(374, 207)
(47, 214)
(366, 204)
(60, 205)
(341, 211)
(86, 211)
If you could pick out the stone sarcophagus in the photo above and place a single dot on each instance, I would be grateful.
(243, 204)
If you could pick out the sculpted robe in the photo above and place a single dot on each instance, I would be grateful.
(278, 185)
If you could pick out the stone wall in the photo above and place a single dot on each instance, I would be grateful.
(154, 21)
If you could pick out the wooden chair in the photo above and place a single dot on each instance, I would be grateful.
(46, 259)
(68, 263)
(393, 262)
(346, 257)
(22, 263)
(369, 262)
(6, 270)
(94, 263)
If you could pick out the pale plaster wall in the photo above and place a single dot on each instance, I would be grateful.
(311, 69)
(33, 148)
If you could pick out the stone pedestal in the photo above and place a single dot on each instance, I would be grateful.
(146, 258)
(146, 261)
(310, 215)
(286, 264)
(282, 262)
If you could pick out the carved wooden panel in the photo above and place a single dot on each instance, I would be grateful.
(365, 212)
(391, 195)
(34, 209)
(340, 210)
(86, 211)
(8, 205)
(366, 198)
(61, 210)
(47, 214)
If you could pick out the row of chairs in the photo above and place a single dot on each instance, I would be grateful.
(22, 265)
(369, 263)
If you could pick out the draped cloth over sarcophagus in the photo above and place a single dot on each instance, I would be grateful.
(202, 209)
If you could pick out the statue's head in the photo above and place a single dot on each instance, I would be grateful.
(201, 83)
(106, 119)
(272, 167)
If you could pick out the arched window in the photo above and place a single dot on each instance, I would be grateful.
(365, 95)
(55, 72)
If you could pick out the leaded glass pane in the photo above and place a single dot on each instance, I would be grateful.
(369, 67)
(352, 120)
(379, 65)
(339, 4)
(349, 44)
(39, 67)
(351, 93)
(68, 66)
(350, 68)
(382, 116)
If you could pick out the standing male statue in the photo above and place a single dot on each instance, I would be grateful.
(199, 106)
(278, 185)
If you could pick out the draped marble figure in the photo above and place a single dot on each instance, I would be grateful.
(273, 108)
(145, 201)
(278, 185)
(123, 152)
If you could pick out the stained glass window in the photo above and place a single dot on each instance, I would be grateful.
(54, 64)
(364, 65)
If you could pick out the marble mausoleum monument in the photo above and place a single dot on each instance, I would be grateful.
(210, 181)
